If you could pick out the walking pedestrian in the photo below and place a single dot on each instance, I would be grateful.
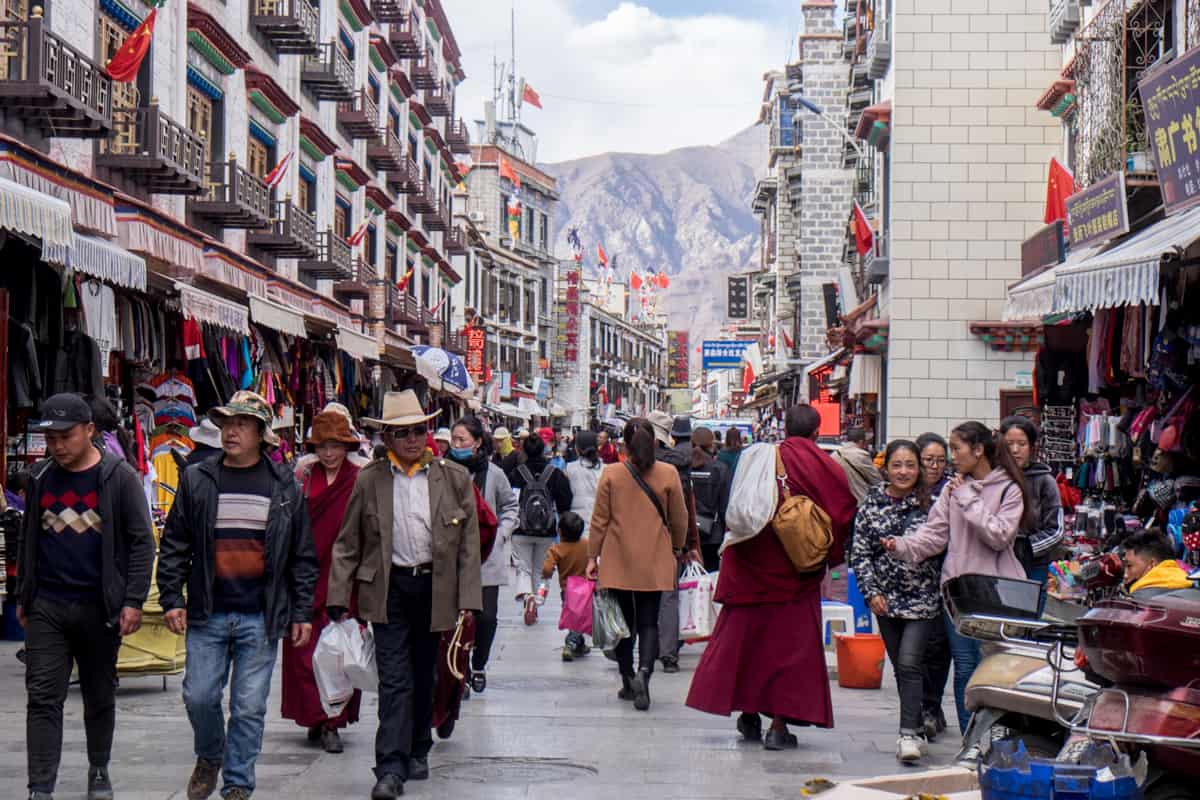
(935, 669)
(441, 439)
(84, 559)
(409, 546)
(904, 597)
(974, 522)
(325, 485)
(1037, 542)
(469, 447)
(237, 542)
(606, 448)
(506, 456)
(710, 486)
(854, 457)
(584, 475)
(732, 450)
(766, 654)
(545, 493)
(569, 557)
(638, 531)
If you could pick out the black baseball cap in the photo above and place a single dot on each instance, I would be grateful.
(64, 411)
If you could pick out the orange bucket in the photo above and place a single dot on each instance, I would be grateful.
(860, 660)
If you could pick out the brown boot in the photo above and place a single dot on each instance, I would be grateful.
(204, 780)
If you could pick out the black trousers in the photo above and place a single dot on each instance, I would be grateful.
(406, 657)
(906, 640)
(57, 634)
(486, 622)
(640, 610)
(712, 556)
(936, 671)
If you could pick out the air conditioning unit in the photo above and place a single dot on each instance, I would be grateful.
(476, 216)
(1065, 16)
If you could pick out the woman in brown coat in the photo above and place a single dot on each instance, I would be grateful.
(634, 538)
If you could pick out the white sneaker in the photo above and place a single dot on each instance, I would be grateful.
(908, 749)
(970, 757)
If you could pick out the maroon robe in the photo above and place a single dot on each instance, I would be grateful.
(326, 507)
(767, 653)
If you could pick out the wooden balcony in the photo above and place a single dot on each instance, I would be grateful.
(457, 138)
(406, 310)
(233, 198)
(154, 151)
(455, 240)
(358, 283)
(328, 74)
(292, 233)
(436, 218)
(51, 84)
(385, 150)
(421, 198)
(439, 101)
(291, 26)
(455, 342)
(390, 10)
(359, 116)
(332, 260)
(405, 36)
(424, 73)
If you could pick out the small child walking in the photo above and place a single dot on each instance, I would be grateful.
(569, 556)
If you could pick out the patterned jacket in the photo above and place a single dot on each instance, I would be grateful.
(911, 590)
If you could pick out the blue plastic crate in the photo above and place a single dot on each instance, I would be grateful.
(1052, 780)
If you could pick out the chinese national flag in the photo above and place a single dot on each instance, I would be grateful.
(635, 281)
(507, 171)
(1059, 186)
(601, 256)
(528, 95)
(662, 280)
(402, 284)
(123, 67)
(864, 237)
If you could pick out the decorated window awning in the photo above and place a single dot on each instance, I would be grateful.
(314, 141)
(417, 113)
(231, 268)
(268, 96)
(378, 201)
(91, 202)
(356, 13)
(357, 345)
(277, 316)
(1059, 99)
(1009, 337)
(447, 270)
(350, 174)
(383, 57)
(397, 221)
(99, 258)
(146, 231)
(31, 213)
(202, 306)
(402, 88)
(874, 125)
(213, 42)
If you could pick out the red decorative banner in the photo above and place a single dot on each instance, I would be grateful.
(677, 360)
(476, 342)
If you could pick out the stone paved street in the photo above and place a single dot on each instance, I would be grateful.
(543, 730)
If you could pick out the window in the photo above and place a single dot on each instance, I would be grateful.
(373, 88)
(412, 279)
(371, 245)
(200, 118)
(428, 170)
(341, 218)
(112, 37)
(393, 263)
(787, 133)
(412, 146)
(426, 283)
(258, 158)
(543, 232)
(307, 195)
(394, 120)
(345, 44)
(529, 212)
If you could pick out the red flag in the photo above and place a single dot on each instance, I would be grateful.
(787, 340)
(360, 233)
(507, 171)
(439, 305)
(402, 284)
(635, 281)
(601, 256)
(1060, 185)
(662, 280)
(528, 95)
(124, 65)
(275, 176)
(864, 237)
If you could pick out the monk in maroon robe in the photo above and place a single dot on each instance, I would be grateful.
(767, 654)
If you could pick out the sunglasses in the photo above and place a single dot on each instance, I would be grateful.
(410, 432)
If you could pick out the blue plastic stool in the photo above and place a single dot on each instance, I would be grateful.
(864, 620)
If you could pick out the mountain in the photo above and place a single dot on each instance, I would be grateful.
(686, 211)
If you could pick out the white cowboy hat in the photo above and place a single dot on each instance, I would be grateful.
(399, 410)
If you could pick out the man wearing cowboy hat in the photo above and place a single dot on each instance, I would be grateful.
(410, 544)
(238, 540)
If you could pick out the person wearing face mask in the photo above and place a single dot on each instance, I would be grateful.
(1037, 541)
(469, 447)
(904, 597)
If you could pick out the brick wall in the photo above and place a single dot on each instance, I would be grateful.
(969, 156)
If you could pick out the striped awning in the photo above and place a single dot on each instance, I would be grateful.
(32, 213)
(357, 345)
(277, 317)
(99, 258)
(202, 306)
(1033, 297)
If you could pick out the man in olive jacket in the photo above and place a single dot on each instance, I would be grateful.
(409, 543)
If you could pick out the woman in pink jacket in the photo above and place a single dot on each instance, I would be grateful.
(975, 521)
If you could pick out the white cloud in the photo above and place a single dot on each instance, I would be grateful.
(631, 81)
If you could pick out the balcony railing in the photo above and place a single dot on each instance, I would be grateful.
(358, 284)
(457, 137)
(455, 342)
(332, 260)
(422, 199)
(292, 26)
(292, 233)
(390, 10)
(438, 101)
(405, 36)
(359, 116)
(424, 73)
(154, 150)
(879, 49)
(53, 85)
(436, 218)
(455, 240)
(1064, 19)
(406, 310)
(407, 178)
(328, 74)
(385, 150)
(234, 198)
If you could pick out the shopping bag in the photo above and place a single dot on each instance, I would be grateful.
(697, 609)
(608, 622)
(753, 494)
(333, 685)
(577, 606)
(360, 661)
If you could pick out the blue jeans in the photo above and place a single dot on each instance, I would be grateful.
(213, 646)
(966, 654)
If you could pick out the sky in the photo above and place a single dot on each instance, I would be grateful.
(641, 76)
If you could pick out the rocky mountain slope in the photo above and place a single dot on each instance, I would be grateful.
(686, 212)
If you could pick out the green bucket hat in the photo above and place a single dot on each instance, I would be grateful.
(247, 404)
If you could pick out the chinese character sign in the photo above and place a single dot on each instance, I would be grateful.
(723, 353)
(476, 342)
(1099, 212)
(737, 304)
(569, 313)
(677, 359)
(1171, 99)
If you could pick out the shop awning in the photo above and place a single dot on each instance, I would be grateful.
(277, 317)
(866, 375)
(531, 407)
(204, 307)
(23, 210)
(509, 410)
(99, 258)
(145, 231)
(825, 361)
(357, 345)
(1033, 298)
(1128, 273)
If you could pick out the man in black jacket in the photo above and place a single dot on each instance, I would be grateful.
(710, 485)
(84, 562)
(238, 539)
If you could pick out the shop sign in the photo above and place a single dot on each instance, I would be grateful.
(1023, 379)
(1171, 99)
(476, 342)
(677, 360)
(1099, 212)
(723, 353)
(568, 321)
(737, 305)
(1044, 249)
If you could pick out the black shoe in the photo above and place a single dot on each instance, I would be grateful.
(331, 741)
(626, 690)
(99, 786)
(780, 740)
(314, 733)
(389, 787)
(478, 681)
(418, 768)
(40, 795)
(670, 664)
(641, 690)
(750, 727)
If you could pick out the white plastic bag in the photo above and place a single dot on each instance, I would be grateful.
(360, 668)
(329, 670)
(697, 608)
(753, 494)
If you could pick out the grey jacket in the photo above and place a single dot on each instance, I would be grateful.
(498, 493)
